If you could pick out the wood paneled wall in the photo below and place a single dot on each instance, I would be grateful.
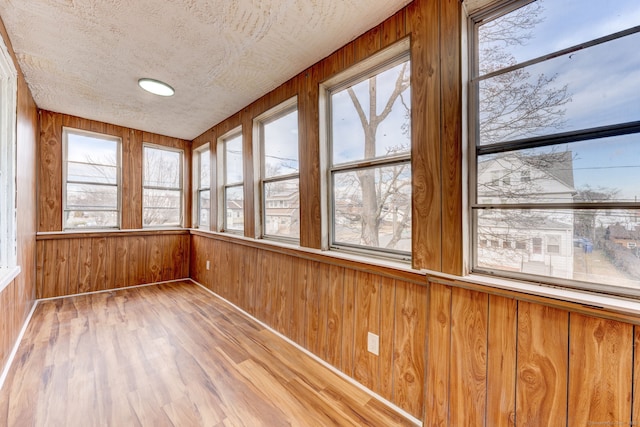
(434, 28)
(328, 308)
(75, 263)
(50, 168)
(499, 361)
(17, 298)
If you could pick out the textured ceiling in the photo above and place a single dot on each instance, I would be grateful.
(84, 57)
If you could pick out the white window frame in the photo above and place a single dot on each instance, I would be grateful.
(475, 19)
(393, 55)
(180, 188)
(9, 267)
(223, 185)
(198, 187)
(65, 152)
(269, 116)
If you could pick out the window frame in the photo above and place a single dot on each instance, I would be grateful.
(180, 188)
(270, 116)
(386, 59)
(223, 185)
(65, 160)
(476, 150)
(9, 267)
(198, 188)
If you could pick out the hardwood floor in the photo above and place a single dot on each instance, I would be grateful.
(170, 354)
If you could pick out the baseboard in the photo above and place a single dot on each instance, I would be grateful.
(332, 368)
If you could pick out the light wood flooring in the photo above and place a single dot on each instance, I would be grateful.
(170, 355)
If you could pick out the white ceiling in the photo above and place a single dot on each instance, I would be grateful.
(84, 57)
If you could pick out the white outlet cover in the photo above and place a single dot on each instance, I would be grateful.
(373, 343)
(208, 264)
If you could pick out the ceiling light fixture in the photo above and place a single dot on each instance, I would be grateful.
(156, 87)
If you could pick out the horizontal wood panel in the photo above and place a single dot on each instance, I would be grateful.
(103, 261)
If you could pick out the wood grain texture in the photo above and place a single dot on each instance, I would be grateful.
(426, 220)
(451, 136)
(600, 371)
(367, 365)
(469, 312)
(80, 264)
(501, 362)
(543, 335)
(438, 356)
(170, 355)
(635, 415)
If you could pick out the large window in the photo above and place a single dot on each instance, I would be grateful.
(162, 187)
(555, 126)
(369, 138)
(92, 180)
(8, 226)
(280, 183)
(202, 185)
(232, 181)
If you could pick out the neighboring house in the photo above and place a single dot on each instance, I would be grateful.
(525, 240)
(623, 236)
(282, 213)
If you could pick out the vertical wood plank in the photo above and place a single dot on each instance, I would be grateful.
(98, 265)
(84, 273)
(501, 362)
(110, 263)
(425, 134)
(323, 309)
(122, 262)
(541, 386)
(393, 29)
(451, 134)
(469, 312)
(438, 356)
(635, 415)
(367, 365)
(367, 44)
(600, 371)
(334, 316)
(50, 172)
(409, 350)
(312, 318)
(40, 271)
(388, 309)
(251, 280)
(348, 324)
(153, 259)
(75, 265)
(298, 315)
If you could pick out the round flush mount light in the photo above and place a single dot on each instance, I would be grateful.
(156, 87)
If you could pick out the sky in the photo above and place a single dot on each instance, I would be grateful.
(603, 82)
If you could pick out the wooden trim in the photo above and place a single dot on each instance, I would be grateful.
(61, 235)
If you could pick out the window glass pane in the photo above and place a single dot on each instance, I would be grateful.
(234, 208)
(372, 118)
(162, 168)
(205, 169)
(161, 207)
(585, 245)
(84, 172)
(83, 148)
(91, 196)
(372, 207)
(282, 208)
(281, 145)
(90, 219)
(549, 26)
(599, 170)
(592, 87)
(233, 159)
(204, 200)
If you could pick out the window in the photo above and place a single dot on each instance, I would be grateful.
(232, 181)
(8, 221)
(202, 175)
(369, 144)
(280, 183)
(162, 187)
(554, 103)
(92, 180)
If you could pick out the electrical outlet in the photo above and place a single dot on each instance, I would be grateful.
(208, 265)
(373, 344)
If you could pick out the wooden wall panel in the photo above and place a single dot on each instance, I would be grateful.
(635, 415)
(469, 312)
(501, 361)
(388, 307)
(367, 365)
(50, 172)
(70, 264)
(542, 365)
(600, 371)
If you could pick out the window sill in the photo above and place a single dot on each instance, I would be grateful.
(7, 275)
(563, 296)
